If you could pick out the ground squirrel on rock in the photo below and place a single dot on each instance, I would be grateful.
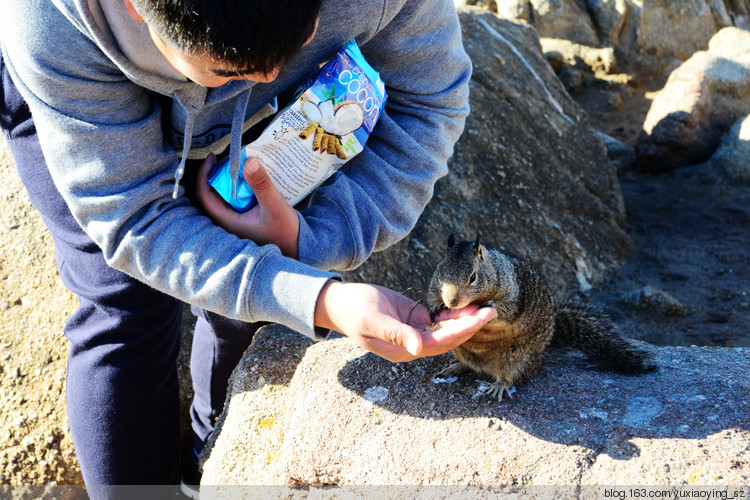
(511, 347)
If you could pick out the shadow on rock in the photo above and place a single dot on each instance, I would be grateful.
(697, 392)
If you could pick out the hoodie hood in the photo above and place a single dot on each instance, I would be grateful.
(128, 44)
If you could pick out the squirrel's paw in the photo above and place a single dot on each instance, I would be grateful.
(454, 368)
(435, 310)
(497, 390)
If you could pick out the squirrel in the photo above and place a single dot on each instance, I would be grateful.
(511, 347)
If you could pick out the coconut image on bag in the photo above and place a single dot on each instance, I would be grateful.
(330, 124)
(323, 128)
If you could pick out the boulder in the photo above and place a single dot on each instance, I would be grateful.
(566, 19)
(654, 300)
(699, 103)
(608, 18)
(577, 55)
(620, 153)
(249, 426)
(648, 36)
(678, 28)
(529, 174)
(347, 417)
(740, 12)
(490, 5)
(733, 155)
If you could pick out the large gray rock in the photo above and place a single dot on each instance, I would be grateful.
(578, 55)
(528, 173)
(566, 19)
(677, 28)
(648, 36)
(255, 410)
(608, 17)
(699, 103)
(733, 155)
(347, 417)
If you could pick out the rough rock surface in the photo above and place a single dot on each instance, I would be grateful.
(577, 55)
(652, 36)
(348, 417)
(657, 301)
(34, 304)
(528, 173)
(678, 28)
(733, 155)
(691, 229)
(562, 19)
(699, 103)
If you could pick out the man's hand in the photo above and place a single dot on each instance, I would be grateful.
(272, 220)
(391, 325)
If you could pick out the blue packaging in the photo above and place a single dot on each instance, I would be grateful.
(323, 128)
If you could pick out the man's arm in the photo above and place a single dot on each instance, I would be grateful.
(393, 326)
(102, 140)
(376, 199)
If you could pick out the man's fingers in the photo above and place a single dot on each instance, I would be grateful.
(278, 222)
(393, 340)
(401, 335)
(385, 350)
(457, 330)
(466, 323)
(486, 313)
(261, 184)
(206, 166)
(456, 313)
(206, 195)
(412, 341)
(217, 209)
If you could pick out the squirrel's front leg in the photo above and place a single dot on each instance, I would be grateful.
(498, 388)
(435, 310)
(453, 368)
(489, 303)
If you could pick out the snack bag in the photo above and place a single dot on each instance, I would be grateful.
(323, 128)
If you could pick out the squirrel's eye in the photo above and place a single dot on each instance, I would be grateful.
(473, 277)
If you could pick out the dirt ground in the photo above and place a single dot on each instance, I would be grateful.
(691, 229)
(35, 444)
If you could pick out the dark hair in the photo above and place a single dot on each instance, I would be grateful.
(246, 35)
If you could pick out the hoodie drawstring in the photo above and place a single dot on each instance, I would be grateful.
(238, 119)
(185, 149)
(235, 145)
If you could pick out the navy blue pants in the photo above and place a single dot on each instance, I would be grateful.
(122, 391)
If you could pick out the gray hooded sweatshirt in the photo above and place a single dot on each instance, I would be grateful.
(116, 124)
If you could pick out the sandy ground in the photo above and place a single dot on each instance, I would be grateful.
(691, 229)
(35, 444)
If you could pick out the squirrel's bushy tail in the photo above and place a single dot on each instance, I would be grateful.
(592, 332)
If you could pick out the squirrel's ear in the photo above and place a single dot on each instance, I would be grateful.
(451, 240)
(478, 248)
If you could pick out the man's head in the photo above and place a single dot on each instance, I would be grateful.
(214, 41)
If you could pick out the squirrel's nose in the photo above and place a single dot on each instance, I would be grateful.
(449, 293)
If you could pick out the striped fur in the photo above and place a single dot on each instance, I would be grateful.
(511, 348)
(592, 332)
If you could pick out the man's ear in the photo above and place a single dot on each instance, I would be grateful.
(131, 10)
